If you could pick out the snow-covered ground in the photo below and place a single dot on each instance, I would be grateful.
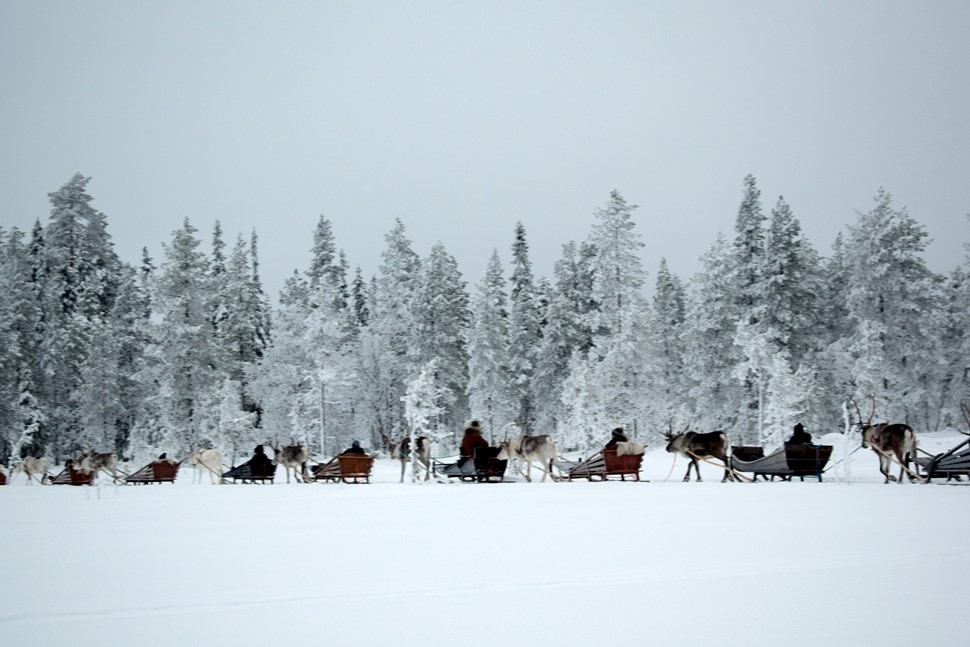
(658, 563)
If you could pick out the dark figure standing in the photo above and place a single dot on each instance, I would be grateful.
(800, 437)
(617, 437)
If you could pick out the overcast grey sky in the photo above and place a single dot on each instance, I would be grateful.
(462, 118)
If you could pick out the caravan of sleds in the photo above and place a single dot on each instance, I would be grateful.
(620, 458)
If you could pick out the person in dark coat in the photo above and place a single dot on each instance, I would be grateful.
(354, 448)
(617, 437)
(260, 464)
(800, 437)
(473, 438)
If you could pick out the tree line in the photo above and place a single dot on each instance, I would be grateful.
(102, 354)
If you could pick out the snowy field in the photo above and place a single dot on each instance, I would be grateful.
(659, 563)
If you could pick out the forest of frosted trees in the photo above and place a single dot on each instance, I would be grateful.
(186, 350)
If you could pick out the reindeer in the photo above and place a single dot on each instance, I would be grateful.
(209, 460)
(401, 450)
(293, 457)
(92, 462)
(888, 440)
(32, 466)
(528, 450)
(694, 446)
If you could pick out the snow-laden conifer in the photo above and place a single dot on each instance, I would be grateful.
(524, 331)
(893, 303)
(489, 394)
(439, 317)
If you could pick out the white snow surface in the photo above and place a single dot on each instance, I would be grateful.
(652, 563)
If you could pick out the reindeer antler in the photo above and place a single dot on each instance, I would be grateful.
(859, 412)
(966, 416)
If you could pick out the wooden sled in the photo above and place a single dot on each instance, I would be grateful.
(485, 467)
(347, 468)
(71, 476)
(604, 464)
(948, 465)
(163, 471)
(789, 461)
(246, 474)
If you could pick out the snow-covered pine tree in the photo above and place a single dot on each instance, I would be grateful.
(666, 397)
(894, 304)
(360, 297)
(617, 270)
(383, 367)
(955, 344)
(81, 277)
(20, 314)
(240, 327)
(780, 331)
(582, 415)
(439, 315)
(618, 320)
(282, 379)
(489, 394)
(958, 350)
(710, 353)
(565, 331)
(422, 410)
(524, 331)
(747, 267)
(185, 352)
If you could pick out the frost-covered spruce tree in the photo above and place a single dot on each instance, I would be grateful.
(20, 314)
(956, 342)
(617, 270)
(281, 381)
(327, 264)
(780, 333)
(666, 398)
(240, 327)
(111, 398)
(81, 277)
(185, 353)
(422, 410)
(893, 303)
(440, 318)
(793, 287)
(710, 353)
(524, 331)
(566, 331)
(360, 299)
(383, 368)
(489, 394)
(582, 422)
(747, 267)
(619, 336)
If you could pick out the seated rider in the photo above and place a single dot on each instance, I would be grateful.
(354, 448)
(473, 438)
(617, 437)
(260, 464)
(800, 437)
